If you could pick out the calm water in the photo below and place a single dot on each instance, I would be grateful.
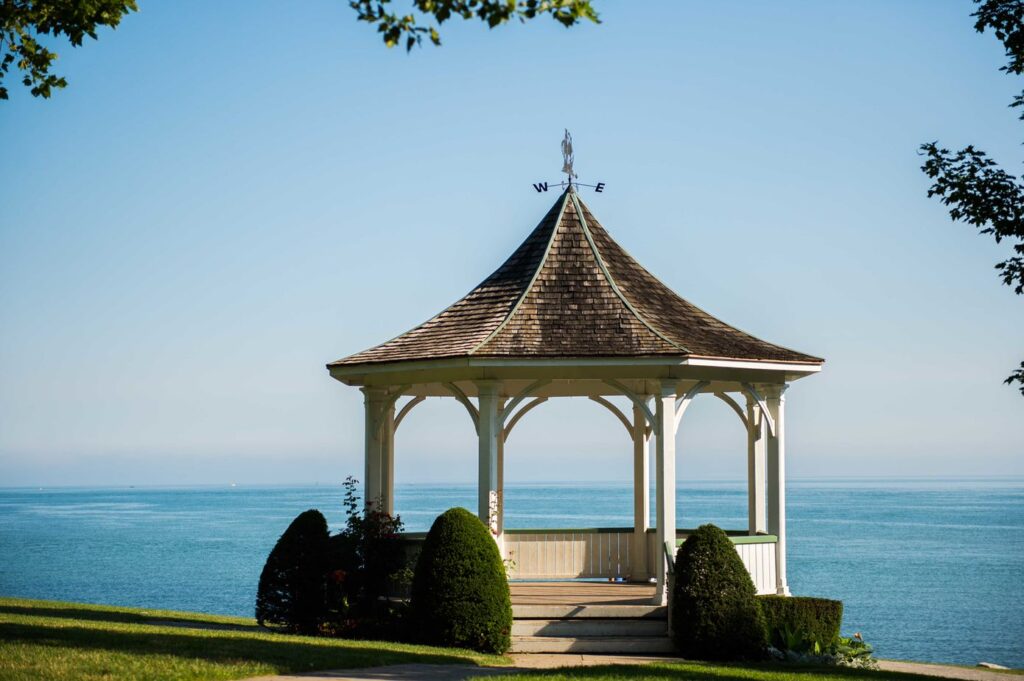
(928, 570)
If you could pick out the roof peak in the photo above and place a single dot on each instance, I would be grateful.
(569, 290)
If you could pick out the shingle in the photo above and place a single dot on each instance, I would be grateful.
(559, 296)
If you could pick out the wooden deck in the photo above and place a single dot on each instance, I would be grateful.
(580, 593)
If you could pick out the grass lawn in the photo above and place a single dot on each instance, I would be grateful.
(64, 641)
(50, 640)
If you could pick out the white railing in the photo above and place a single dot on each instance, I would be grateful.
(609, 553)
(569, 553)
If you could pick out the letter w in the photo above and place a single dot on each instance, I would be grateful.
(540, 186)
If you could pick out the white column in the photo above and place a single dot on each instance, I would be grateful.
(373, 401)
(501, 479)
(641, 494)
(776, 449)
(387, 476)
(756, 439)
(665, 456)
(489, 435)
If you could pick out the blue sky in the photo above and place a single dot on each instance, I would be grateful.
(230, 194)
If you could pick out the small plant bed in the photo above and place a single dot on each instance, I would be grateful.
(64, 641)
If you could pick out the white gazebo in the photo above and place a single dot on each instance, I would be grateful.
(570, 313)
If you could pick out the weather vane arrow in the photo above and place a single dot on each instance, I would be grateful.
(568, 158)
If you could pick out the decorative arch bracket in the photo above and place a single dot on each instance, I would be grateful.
(517, 400)
(522, 412)
(634, 398)
(756, 396)
(458, 394)
(735, 406)
(615, 410)
(683, 402)
(406, 409)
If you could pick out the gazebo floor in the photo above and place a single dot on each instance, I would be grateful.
(581, 593)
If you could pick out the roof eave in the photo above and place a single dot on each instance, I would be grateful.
(593, 367)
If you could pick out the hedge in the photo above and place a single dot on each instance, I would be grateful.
(714, 607)
(815, 619)
(460, 594)
(292, 589)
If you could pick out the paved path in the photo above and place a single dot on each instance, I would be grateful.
(458, 672)
(453, 672)
(944, 671)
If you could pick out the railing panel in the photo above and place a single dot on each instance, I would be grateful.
(607, 553)
(569, 554)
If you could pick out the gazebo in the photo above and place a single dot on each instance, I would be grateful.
(570, 313)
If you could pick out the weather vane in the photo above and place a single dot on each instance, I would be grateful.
(568, 157)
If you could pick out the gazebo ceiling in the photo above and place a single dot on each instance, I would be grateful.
(569, 292)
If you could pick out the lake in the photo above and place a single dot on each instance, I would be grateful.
(929, 570)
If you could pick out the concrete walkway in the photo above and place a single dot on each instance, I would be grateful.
(458, 672)
(944, 671)
(522, 663)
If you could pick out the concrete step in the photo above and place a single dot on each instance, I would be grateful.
(598, 645)
(556, 612)
(589, 627)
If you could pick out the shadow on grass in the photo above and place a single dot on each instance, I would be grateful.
(699, 671)
(287, 653)
(100, 615)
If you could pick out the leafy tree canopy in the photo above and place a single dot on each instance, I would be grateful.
(411, 27)
(24, 22)
(973, 186)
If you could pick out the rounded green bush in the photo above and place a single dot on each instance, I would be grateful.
(460, 593)
(715, 614)
(292, 589)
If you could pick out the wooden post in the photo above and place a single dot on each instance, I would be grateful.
(641, 495)
(665, 455)
(489, 437)
(757, 433)
(501, 479)
(776, 449)
(373, 401)
(387, 476)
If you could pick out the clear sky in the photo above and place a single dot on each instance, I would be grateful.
(231, 194)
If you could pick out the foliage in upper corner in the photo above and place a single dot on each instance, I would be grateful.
(970, 183)
(24, 22)
(409, 27)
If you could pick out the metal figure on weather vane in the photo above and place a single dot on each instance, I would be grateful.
(568, 158)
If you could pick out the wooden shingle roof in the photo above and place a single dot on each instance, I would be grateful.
(570, 291)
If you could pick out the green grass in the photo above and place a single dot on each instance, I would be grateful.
(50, 640)
(698, 671)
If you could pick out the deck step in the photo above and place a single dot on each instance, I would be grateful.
(597, 645)
(561, 611)
(589, 627)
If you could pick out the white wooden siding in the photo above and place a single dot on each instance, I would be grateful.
(581, 553)
(571, 554)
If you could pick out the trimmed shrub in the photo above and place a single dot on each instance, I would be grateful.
(292, 590)
(715, 614)
(460, 594)
(808, 619)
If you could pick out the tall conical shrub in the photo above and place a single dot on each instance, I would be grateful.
(291, 592)
(460, 593)
(715, 614)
